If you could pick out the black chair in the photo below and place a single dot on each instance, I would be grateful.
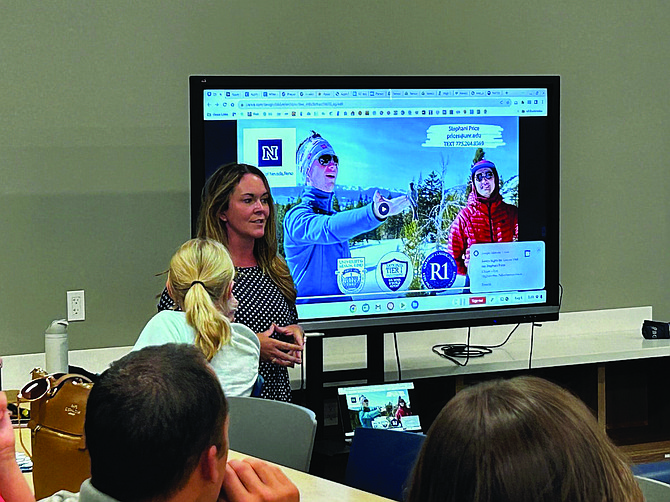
(381, 460)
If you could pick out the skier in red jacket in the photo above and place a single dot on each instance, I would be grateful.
(485, 218)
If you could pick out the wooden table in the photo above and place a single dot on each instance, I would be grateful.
(312, 488)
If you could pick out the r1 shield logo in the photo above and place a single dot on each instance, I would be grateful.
(269, 152)
(438, 270)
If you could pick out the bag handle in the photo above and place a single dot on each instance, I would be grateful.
(51, 392)
(68, 376)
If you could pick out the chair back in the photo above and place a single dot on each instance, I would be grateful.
(381, 461)
(653, 490)
(660, 471)
(276, 431)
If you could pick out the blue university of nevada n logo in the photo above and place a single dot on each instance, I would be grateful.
(269, 152)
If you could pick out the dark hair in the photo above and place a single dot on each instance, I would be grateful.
(519, 440)
(149, 418)
(215, 200)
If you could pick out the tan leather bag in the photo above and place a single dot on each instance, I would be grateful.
(60, 459)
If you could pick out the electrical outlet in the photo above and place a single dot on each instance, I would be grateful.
(76, 307)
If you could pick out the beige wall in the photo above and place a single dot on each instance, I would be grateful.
(94, 133)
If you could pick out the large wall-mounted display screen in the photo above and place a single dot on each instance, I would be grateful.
(402, 202)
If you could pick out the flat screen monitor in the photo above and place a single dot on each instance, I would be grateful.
(390, 406)
(403, 202)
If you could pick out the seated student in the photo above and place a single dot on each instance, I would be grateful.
(519, 440)
(200, 280)
(157, 429)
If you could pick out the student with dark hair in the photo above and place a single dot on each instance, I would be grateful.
(150, 420)
(519, 440)
(157, 429)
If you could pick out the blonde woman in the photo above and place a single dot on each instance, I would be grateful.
(200, 280)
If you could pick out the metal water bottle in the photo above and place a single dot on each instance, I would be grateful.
(56, 347)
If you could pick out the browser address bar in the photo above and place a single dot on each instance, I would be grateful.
(292, 104)
(373, 103)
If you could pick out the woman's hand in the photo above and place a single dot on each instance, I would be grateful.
(295, 331)
(281, 351)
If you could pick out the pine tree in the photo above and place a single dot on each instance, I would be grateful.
(412, 238)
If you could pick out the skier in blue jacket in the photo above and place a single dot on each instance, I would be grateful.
(367, 415)
(315, 235)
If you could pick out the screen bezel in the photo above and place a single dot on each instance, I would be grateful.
(406, 321)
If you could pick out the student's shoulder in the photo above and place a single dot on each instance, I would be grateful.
(168, 316)
(243, 331)
(164, 327)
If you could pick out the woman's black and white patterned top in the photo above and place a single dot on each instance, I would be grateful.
(261, 303)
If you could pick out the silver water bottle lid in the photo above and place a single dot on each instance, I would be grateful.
(57, 327)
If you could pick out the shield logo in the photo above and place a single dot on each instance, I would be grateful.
(394, 273)
(350, 275)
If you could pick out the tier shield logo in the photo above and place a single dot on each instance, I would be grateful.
(394, 272)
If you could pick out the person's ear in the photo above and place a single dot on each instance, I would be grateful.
(209, 464)
(228, 303)
(169, 287)
(222, 217)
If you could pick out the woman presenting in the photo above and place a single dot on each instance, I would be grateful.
(237, 210)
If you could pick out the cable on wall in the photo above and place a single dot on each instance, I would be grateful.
(397, 356)
(453, 351)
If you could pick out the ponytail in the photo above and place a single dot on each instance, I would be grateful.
(212, 327)
(200, 275)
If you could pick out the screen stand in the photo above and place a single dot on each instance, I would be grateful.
(316, 377)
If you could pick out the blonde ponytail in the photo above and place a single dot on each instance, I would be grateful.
(212, 328)
(200, 275)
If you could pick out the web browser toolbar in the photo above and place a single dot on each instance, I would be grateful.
(313, 103)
